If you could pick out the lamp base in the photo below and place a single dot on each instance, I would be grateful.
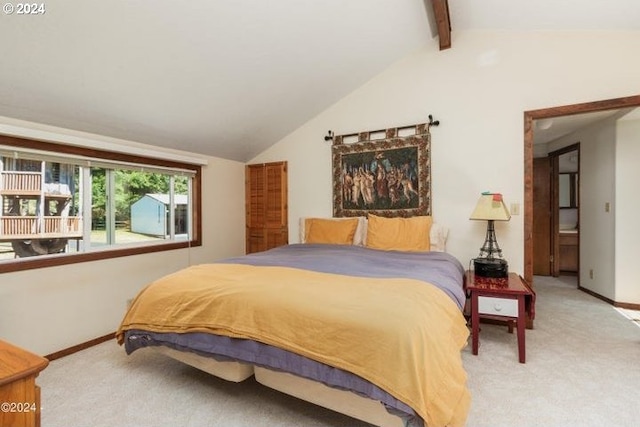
(485, 267)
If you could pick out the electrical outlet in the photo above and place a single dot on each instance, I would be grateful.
(515, 208)
(607, 207)
(591, 273)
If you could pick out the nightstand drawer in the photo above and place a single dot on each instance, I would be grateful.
(498, 306)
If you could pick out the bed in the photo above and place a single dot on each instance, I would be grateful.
(374, 333)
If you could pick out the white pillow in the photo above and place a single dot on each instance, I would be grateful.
(438, 234)
(361, 229)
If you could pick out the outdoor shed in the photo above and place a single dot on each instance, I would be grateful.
(150, 215)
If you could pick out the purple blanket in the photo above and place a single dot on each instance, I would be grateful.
(437, 268)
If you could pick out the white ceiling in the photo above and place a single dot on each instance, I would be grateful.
(545, 14)
(229, 78)
(547, 130)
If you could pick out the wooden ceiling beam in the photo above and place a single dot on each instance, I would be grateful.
(443, 22)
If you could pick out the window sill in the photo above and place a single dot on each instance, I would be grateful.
(66, 259)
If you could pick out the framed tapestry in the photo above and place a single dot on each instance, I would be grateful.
(389, 176)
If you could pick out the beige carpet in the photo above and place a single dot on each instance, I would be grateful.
(583, 369)
(633, 315)
(583, 366)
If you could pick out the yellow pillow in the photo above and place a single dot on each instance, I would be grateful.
(339, 232)
(399, 234)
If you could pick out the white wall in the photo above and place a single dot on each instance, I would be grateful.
(479, 90)
(50, 309)
(597, 225)
(597, 187)
(627, 229)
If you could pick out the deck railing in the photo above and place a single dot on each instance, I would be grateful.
(20, 182)
(30, 227)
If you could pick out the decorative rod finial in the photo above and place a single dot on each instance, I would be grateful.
(329, 136)
(433, 122)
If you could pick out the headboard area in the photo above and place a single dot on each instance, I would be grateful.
(385, 172)
(438, 233)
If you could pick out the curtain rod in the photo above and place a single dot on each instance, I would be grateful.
(330, 135)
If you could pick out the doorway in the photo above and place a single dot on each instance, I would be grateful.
(566, 213)
(556, 185)
(529, 118)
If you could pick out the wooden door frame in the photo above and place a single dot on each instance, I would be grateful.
(529, 117)
(555, 216)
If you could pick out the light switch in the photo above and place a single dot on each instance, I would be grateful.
(515, 208)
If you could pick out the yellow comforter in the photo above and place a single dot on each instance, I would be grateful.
(403, 335)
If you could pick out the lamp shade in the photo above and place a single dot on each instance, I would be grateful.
(490, 206)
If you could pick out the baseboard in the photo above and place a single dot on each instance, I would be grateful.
(596, 295)
(79, 347)
(627, 305)
(568, 273)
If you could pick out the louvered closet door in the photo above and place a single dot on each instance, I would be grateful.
(255, 207)
(266, 206)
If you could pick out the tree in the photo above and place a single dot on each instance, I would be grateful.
(131, 186)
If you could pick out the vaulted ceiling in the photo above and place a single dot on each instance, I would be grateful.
(229, 78)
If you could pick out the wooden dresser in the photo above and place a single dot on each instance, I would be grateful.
(19, 394)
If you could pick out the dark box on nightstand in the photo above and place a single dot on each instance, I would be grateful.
(490, 268)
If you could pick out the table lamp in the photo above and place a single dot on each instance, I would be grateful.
(490, 208)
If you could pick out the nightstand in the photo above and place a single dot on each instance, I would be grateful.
(498, 299)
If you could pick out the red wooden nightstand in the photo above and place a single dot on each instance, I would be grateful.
(502, 299)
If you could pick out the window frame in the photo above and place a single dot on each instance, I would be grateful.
(114, 252)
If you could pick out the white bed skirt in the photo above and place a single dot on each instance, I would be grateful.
(342, 401)
(230, 371)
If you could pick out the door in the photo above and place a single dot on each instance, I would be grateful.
(266, 206)
(565, 204)
(542, 217)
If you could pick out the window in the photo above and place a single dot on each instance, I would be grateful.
(63, 204)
